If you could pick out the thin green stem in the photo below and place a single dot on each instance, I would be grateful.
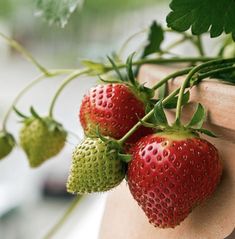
(70, 78)
(174, 44)
(171, 76)
(213, 72)
(22, 92)
(199, 45)
(77, 73)
(170, 60)
(25, 53)
(215, 63)
(145, 118)
(60, 223)
(25, 89)
(124, 45)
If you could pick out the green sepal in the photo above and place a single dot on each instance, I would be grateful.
(162, 91)
(159, 114)
(207, 132)
(53, 125)
(147, 91)
(172, 103)
(19, 113)
(34, 113)
(116, 68)
(109, 81)
(95, 67)
(99, 135)
(124, 157)
(198, 117)
(129, 70)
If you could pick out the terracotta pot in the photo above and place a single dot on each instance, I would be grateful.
(215, 219)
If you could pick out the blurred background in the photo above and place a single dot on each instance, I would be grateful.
(32, 200)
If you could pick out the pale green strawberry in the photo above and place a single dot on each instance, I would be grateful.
(7, 143)
(96, 167)
(41, 139)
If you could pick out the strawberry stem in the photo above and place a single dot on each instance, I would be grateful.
(14, 44)
(127, 41)
(213, 72)
(70, 78)
(213, 63)
(198, 43)
(145, 118)
(160, 60)
(25, 89)
(85, 71)
(171, 76)
(60, 223)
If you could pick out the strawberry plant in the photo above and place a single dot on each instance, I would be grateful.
(170, 168)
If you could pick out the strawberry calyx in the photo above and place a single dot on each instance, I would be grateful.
(51, 124)
(142, 92)
(114, 147)
(178, 130)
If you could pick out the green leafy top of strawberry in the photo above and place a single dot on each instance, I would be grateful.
(41, 137)
(7, 143)
(142, 92)
(193, 127)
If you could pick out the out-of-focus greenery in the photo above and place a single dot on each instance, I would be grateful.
(10, 7)
(5, 8)
(93, 30)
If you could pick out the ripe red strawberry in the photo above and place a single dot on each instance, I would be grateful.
(115, 108)
(171, 173)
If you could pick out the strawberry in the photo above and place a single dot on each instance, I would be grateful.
(41, 138)
(115, 108)
(7, 143)
(171, 173)
(96, 167)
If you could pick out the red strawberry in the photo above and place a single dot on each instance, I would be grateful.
(115, 108)
(171, 173)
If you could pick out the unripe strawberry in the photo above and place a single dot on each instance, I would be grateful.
(95, 167)
(7, 143)
(41, 139)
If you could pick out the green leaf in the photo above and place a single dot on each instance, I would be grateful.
(228, 77)
(57, 11)
(207, 132)
(215, 16)
(159, 114)
(198, 117)
(155, 39)
(173, 102)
